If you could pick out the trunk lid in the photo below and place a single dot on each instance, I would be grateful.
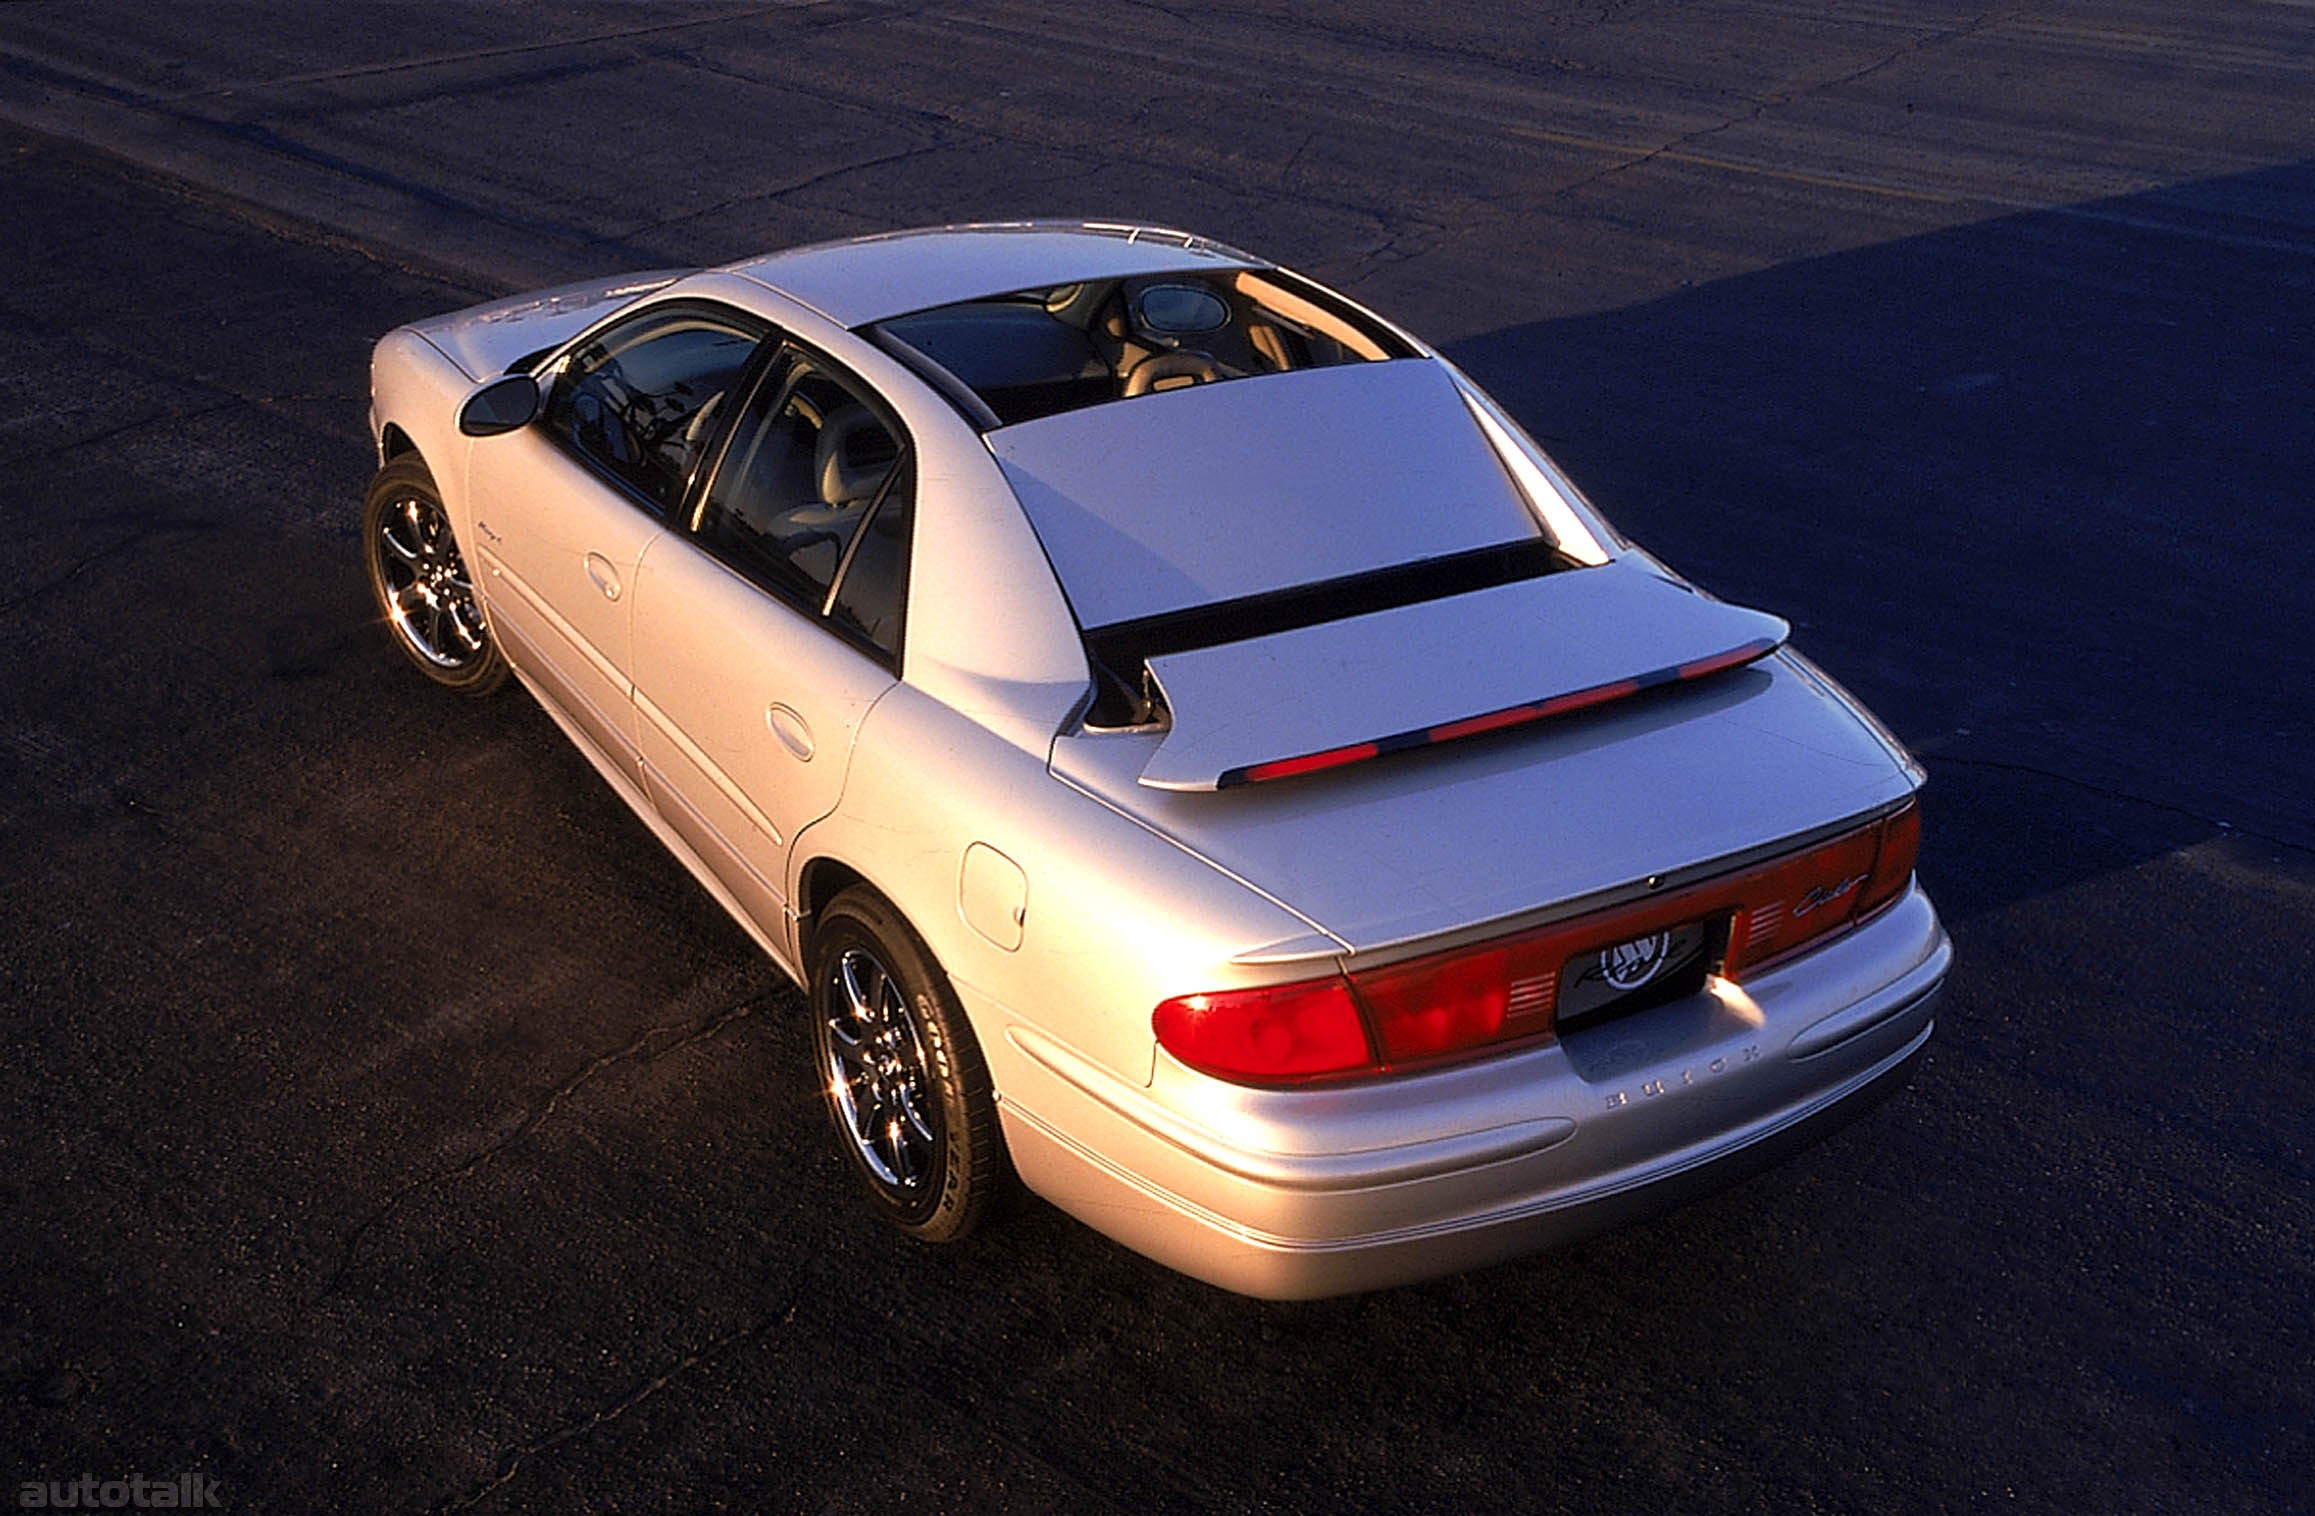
(1517, 825)
(1370, 685)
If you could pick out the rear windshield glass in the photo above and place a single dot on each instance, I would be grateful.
(1042, 352)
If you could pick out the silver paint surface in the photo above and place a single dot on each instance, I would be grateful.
(866, 279)
(1215, 491)
(1366, 677)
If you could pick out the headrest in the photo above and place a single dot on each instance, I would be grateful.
(852, 456)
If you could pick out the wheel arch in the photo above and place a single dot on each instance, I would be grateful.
(1114, 915)
(415, 393)
(821, 881)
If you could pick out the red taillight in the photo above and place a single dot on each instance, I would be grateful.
(1796, 900)
(1802, 897)
(1507, 990)
(1277, 1033)
(1893, 868)
(1429, 1007)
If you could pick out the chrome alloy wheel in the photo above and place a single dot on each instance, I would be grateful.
(428, 595)
(879, 1076)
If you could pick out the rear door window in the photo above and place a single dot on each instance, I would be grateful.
(814, 499)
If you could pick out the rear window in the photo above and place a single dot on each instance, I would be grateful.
(1043, 352)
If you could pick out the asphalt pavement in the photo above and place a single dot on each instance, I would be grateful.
(387, 1124)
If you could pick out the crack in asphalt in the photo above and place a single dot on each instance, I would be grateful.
(485, 54)
(638, 1047)
(1166, 11)
(1294, 161)
(82, 565)
(691, 58)
(1999, 765)
(14, 460)
(782, 192)
(1399, 45)
(1130, 147)
(939, 1361)
(512, 1463)
(263, 138)
(1765, 104)
(1402, 245)
(1611, 11)
(952, 1381)
(142, 364)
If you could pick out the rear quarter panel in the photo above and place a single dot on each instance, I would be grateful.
(1115, 918)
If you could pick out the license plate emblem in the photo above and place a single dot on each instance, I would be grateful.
(1639, 970)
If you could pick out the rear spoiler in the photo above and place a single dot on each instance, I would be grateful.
(1319, 697)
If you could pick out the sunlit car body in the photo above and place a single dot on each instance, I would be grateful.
(1195, 752)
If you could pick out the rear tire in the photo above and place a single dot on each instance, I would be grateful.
(421, 583)
(904, 1081)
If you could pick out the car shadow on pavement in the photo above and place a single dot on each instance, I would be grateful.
(2034, 488)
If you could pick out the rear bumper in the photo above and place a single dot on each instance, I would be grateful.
(1304, 1193)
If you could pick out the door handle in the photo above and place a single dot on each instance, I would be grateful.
(606, 577)
(794, 732)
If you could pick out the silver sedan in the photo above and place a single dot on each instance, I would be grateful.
(1199, 758)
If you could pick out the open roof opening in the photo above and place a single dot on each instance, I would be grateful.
(1042, 352)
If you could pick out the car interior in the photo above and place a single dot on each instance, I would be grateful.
(1043, 352)
(797, 480)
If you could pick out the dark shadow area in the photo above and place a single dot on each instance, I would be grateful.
(2035, 488)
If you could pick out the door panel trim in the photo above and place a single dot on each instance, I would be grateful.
(707, 767)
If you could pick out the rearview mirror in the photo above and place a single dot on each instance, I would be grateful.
(505, 404)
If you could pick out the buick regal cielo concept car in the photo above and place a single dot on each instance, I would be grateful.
(1196, 754)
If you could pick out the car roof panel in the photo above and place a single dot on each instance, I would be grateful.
(1212, 492)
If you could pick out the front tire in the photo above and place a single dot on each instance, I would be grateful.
(421, 583)
(904, 1080)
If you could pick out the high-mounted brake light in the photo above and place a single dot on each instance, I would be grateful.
(1507, 991)
(1495, 721)
(1308, 763)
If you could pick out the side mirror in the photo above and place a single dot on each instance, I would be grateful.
(506, 404)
